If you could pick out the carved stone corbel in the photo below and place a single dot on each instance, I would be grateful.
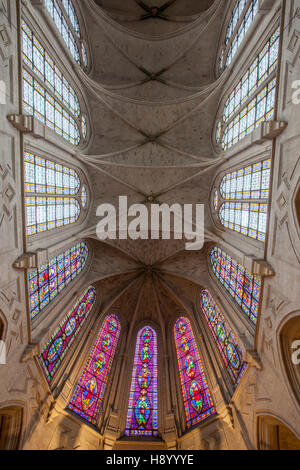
(30, 352)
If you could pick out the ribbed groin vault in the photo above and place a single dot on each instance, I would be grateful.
(143, 344)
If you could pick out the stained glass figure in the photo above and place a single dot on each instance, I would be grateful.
(225, 340)
(253, 99)
(60, 342)
(89, 392)
(244, 287)
(197, 399)
(142, 408)
(52, 192)
(47, 94)
(66, 20)
(48, 280)
(251, 184)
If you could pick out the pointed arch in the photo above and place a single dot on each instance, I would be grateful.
(11, 420)
(197, 399)
(46, 282)
(243, 287)
(142, 415)
(90, 389)
(225, 340)
(62, 339)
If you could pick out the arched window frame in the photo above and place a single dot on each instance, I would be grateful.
(50, 93)
(34, 193)
(218, 200)
(249, 320)
(190, 420)
(91, 414)
(264, 88)
(75, 29)
(54, 351)
(135, 394)
(239, 19)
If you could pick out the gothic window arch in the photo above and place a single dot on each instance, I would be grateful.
(52, 194)
(11, 423)
(241, 19)
(241, 200)
(46, 282)
(243, 287)
(252, 100)
(58, 345)
(225, 340)
(142, 415)
(64, 15)
(88, 395)
(289, 337)
(48, 94)
(197, 399)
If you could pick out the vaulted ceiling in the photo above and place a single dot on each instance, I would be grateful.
(153, 98)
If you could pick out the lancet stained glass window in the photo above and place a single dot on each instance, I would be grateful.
(253, 99)
(225, 340)
(60, 342)
(245, 194)
(197, 399)
(47, 94)
(66, 20)
(244, 287)
(89, 392)
(48, 187)
(142, 409)
(48, 280)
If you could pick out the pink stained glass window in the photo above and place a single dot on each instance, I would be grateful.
(89, 391)
(225, 340)
(60, 342)
(197, 399)
(142, 408)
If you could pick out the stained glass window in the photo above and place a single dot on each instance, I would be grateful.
(253, 99)
(142, 408)
(244, 287)
(47, 281)
(49, 187)
(84, 197)
(60, 342)
(245, 194)
(66, 20)
(89, 392)
(198, 402)
(47, 94)
(225, 340)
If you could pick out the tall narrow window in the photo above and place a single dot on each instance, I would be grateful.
(253, 99)
(60, 342)
(241, 19)
(89, 392)
(241, 285)
(197, 399)
(66, 20)
(52, 194)
(47, 94)
(225, 340)
(243, 202)
(142, 408)
(48, 280)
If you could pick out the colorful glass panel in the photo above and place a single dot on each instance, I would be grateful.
(142, 408)
(197, 399)
(47, 187)
(244, 287)
(47, 281)
(225, 340)
(60, 342)
(253, 99)
(89, 392)
(249, 219)
(47, 94)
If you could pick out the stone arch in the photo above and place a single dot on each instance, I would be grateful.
(273, 434)
(11, 419)
(289, 343)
